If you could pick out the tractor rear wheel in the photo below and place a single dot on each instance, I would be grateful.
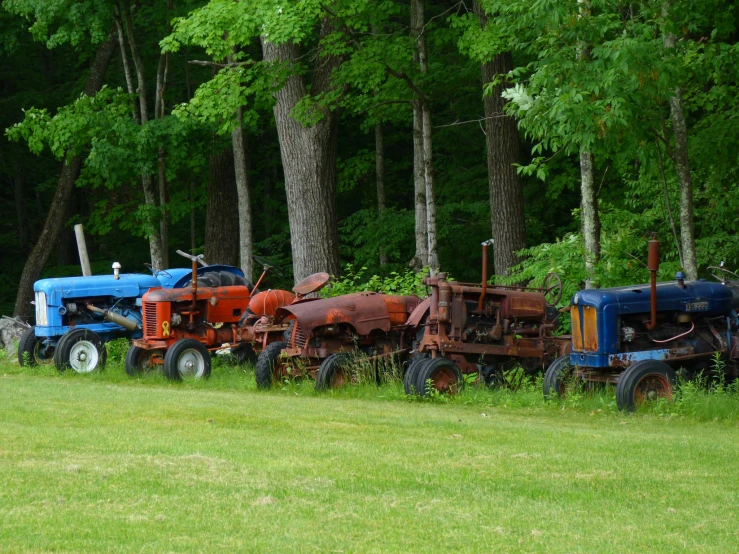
(33, 350)
(411, 374)
(440, 374)
(187, 359)
(268, 366)
(81, 350)
(642, 382)
(555, 379)
(138, 361)
(334, 372)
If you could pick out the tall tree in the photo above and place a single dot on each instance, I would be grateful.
(222, 215)
(65, 185)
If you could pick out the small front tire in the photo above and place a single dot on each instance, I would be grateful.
(440, 374)
(644, 381)
(555, 378)
(268, 369)
(33, 350)
(187, 359)
(333, 373)
(411, 374)
(138, 361)
(81, 350)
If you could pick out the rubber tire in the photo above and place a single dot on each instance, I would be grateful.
(411, 374)
(630, 378)
(491, 376)
(131, 361)
(430, 367)
(243, 354)
(327, 370)
(27, 343)
(69, 339)
(173, 355)
(554, 377)
(266, 362)
(227, 279)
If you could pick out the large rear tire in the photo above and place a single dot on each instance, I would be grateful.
(642, 382)
(187, 359)
(33, 350)
(268, 369)
(81, 350)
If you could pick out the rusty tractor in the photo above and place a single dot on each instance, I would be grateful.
(640, 337)
(478, 329)
(323, 332)
(183, 327)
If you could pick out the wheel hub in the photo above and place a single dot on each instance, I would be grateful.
(191, 364)
(84, 357)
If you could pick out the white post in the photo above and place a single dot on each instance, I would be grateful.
(82, 248)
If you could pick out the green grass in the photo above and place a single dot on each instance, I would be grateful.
(106, 463)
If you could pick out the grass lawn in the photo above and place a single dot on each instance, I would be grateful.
(102, 463)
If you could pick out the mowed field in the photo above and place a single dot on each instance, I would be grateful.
(102, 463)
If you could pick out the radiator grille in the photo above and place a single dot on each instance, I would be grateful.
(150, 319)
(297, 337)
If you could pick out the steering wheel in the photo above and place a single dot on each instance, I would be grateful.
(724, 271)
(552, 287)
(264, 262)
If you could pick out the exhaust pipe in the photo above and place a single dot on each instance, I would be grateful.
(484, 273)
(653, 266)
(114, 317)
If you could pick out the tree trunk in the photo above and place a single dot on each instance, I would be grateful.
(590, 218)
(380, 182)
(428, 166)
(55, 218)
(156, 248)
(421, 257)
(159, 112)
(682, 165)
(309, 162)
(222, 214)
(246, 238)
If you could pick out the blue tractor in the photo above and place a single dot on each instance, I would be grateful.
(640, 337)
(75, 316)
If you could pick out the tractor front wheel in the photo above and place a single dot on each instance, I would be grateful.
(411, 374)
(555, 379)
(33, 350)
(187, 359)
(268, 366)
(439, 374)
(644, 381)
(138, 360)
(334, 372)
(81, 350)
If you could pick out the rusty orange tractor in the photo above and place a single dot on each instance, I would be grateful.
(476, 328)
(182, 327)
(323, 331)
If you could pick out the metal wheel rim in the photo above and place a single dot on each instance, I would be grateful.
(444, 380)
(651, 387)
(83, 356)
(191, 364)
(339, 378)
(38, 348)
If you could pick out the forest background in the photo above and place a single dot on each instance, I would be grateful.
(384, 134)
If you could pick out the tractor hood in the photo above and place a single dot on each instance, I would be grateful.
(364, 311)
(129, 285)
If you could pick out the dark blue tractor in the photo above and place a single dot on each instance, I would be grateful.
(640, 337)
(75, 316)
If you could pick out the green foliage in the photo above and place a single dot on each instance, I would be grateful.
(352, 280)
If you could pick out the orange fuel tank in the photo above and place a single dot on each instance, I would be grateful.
(268, 301)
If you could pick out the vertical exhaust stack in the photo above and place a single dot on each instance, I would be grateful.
(484, 273)
(653, 266)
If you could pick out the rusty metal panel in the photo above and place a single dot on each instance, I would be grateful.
(590, 328)
(577, 343)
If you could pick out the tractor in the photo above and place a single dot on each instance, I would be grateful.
(641, 337)
(183, 327)
(75, 316)
(480, 329)
(323, 332)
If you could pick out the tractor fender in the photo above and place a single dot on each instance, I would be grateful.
(417, 315)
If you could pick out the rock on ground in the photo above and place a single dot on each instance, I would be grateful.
(10, 333)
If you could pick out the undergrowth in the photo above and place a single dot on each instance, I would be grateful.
(705, 398)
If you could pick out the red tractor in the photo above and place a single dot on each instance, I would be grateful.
(183, 326)
(465, 328)
(323, 331)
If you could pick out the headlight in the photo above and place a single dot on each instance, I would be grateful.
(42, 319)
